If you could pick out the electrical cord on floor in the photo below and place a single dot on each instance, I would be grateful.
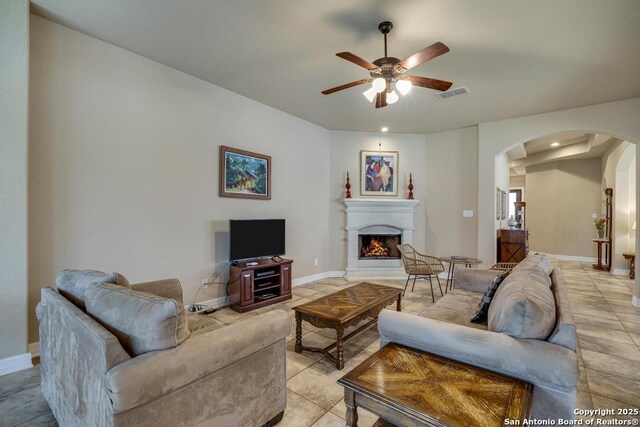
(203, 308)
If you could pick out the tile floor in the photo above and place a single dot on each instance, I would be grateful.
(608, 336)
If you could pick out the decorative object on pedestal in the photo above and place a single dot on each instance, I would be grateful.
(348, 187)
(410, 187)
(511, 222)
(600, 224)
(603, 228)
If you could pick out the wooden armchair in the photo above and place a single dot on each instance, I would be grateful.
(420, 266)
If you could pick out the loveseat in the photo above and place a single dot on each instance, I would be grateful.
(114, 354)
(548, 361)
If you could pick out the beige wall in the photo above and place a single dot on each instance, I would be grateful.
(561, 198)
(345, 157)
(624, 200)
(14, 92)
(444, 169)
(124, 168)
(502, 182)
(451, 172)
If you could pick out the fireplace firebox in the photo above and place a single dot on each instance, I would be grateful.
(379, 246)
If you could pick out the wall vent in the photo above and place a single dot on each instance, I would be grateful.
(453, 92)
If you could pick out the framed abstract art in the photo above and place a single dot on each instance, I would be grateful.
(379, 173)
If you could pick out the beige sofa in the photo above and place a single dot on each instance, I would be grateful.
(549, 362)
(230, 376)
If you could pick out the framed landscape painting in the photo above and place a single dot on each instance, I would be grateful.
(379, 173)
(244, 174)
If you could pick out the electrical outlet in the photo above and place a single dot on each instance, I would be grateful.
(204, 282)
(467, 214)
(315, 261)
(594, 216)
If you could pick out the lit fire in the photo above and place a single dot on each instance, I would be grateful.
(375, 248)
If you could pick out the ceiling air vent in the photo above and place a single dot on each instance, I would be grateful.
(453, 92)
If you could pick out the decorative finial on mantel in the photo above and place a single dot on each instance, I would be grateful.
(348, 187)
(410, 187)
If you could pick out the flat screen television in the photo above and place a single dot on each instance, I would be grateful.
(253, 238)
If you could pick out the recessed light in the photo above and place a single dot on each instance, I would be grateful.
(384, 129)
(555, 144)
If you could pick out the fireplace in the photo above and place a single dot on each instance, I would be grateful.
(378, 246)
(384, 222)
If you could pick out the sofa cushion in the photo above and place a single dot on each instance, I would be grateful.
(523, 309)
(72, 283)
(480, 316)
(539, 260)
(142, 322)
(457, 306)
(564, 332)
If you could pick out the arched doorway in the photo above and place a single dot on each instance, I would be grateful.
(619, 119)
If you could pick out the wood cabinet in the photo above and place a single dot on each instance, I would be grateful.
(513, 245)
(256, 286)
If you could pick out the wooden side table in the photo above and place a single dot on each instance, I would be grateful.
(604, 254)
(409, 387)
(632, 264)
(453, 260)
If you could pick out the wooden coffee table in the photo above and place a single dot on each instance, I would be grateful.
(341, 310)
(410, 387)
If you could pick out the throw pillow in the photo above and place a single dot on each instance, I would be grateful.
(523, 309)
(480, 315)
(142, 322)
(72, 283)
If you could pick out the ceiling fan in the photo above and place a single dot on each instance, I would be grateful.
(388, 73)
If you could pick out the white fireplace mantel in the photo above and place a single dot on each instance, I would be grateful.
(366, 213)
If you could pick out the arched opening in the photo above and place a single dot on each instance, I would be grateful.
(562, 177)
(618, 119)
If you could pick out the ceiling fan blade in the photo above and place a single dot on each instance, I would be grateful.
(424, 55)
(357, 60)
(344, 86)
(429, 83)
(381, 100)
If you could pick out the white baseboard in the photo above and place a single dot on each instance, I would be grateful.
(315, 277)
(635, 301)
(620, 272)
(17, 363)
(567, 257)
(34, 349)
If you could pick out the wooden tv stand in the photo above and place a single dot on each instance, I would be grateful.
(256, 286)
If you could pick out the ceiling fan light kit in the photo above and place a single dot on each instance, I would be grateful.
(403, 86)
(392, 97)
(370, 94)
(379, 85)
(388, 72)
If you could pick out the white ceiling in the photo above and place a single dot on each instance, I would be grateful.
(518, 57)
